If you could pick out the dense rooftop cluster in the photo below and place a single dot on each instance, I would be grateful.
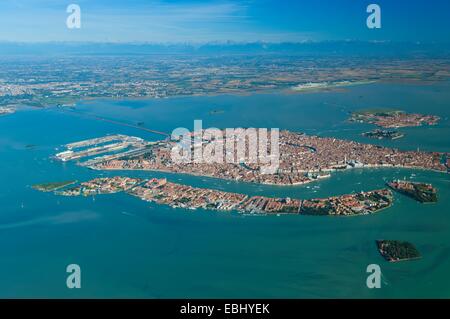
(164, 192)
(303, 158)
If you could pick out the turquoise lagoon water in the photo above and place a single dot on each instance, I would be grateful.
(130, 248)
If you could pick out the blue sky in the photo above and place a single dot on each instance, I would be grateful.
(225, 20)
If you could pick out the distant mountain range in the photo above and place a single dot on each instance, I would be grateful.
(305, 48)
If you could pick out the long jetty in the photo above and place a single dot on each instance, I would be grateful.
(99, 118)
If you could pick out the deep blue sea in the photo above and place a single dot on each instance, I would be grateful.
(130, 248)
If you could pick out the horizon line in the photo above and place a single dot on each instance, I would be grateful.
(228, 42)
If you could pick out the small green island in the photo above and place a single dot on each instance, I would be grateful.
(50, 187)
(383, 134)
(422, 192)
(216, 112)
(395, 250)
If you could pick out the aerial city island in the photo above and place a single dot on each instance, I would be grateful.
(325, 151)
(175, 195)
(303, 158)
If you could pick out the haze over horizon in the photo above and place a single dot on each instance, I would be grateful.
(242, 21)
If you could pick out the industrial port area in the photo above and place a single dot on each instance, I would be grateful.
(107, 148)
